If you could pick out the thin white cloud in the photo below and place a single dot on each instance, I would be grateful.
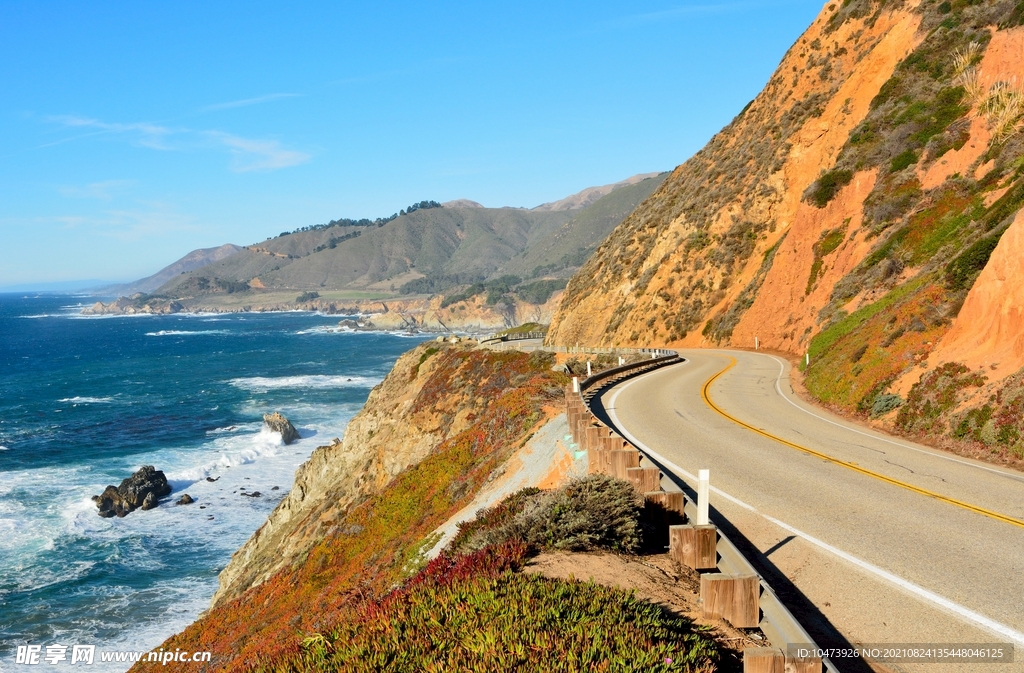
(249, 154)
(152, 220)
(249, 101)
(258, 155)
(102, 191)
(145, 134)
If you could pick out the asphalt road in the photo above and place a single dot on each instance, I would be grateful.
(861, 558)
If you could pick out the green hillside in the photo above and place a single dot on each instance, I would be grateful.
(561, 252)
(429, 249)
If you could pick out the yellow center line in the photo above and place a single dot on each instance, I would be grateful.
(706, 396)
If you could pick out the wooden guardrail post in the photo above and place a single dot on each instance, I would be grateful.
(694, 546)
(734, 598)
(644, 479)
(622, 460)
(764, 660)
(803, 665)
(671, 501)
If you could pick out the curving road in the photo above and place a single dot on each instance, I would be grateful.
(869, 539)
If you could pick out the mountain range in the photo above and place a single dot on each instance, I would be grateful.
(432, 248)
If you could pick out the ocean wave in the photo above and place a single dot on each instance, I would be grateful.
(317, 381)
(87, 400)
(108, 316)
(4, 448)
(326, 330)
(179, 332)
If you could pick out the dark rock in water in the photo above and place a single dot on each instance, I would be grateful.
(279, 423)
(186, 499)
(142, 489)
(149, 502)
(276, 488)
(211, 479)
(254, 494)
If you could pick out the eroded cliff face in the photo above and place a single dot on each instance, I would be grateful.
(405, 417)
(849, 213)
(695, 248)
(868, 119)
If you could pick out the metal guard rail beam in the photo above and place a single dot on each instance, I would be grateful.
(777, 622)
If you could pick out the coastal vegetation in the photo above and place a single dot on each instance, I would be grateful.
(362, 593)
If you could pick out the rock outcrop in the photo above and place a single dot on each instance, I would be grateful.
(135, 304)
(431, 394)
(142, 490)
(278, 423)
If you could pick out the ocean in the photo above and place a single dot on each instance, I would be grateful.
(86, 401)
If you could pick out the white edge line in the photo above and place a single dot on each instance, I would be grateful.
(879, 437)
(921, 592)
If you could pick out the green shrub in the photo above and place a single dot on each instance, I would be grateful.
(934, 395)
(885, 403)
(477, 614)
(828, 185)
(965, 267)
(539, 291)
(596, 511)
(307, 296)
(1006, 205)
(901, 161)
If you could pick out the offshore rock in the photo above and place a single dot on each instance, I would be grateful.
(186, 499)
(141, 490)
(278, 423)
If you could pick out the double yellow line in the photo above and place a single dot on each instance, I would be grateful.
(705, 395)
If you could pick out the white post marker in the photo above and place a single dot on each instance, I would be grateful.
(807, 358)
(622, 360)
(703, 488)
(588, 369)
(756, 344)
(575, 384)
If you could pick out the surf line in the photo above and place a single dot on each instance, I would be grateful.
(705, 395)
(921, 592)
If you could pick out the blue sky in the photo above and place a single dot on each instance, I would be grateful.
(135, 132)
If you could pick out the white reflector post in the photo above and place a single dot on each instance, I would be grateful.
(575, 384)
(703, 488)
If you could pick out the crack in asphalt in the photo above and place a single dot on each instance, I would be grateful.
(922, 474)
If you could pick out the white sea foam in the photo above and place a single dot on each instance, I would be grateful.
(326, 329)
(87, 400)
(178, 332)
(4, 448)
(260, 384)
(107, 316)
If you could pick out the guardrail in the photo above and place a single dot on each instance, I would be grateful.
(515, 336)
(730, 586)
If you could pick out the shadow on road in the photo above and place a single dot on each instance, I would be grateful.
(825, 634)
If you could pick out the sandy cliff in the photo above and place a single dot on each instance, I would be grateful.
(854, 211)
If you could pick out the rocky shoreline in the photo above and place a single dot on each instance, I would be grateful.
(415, 314)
